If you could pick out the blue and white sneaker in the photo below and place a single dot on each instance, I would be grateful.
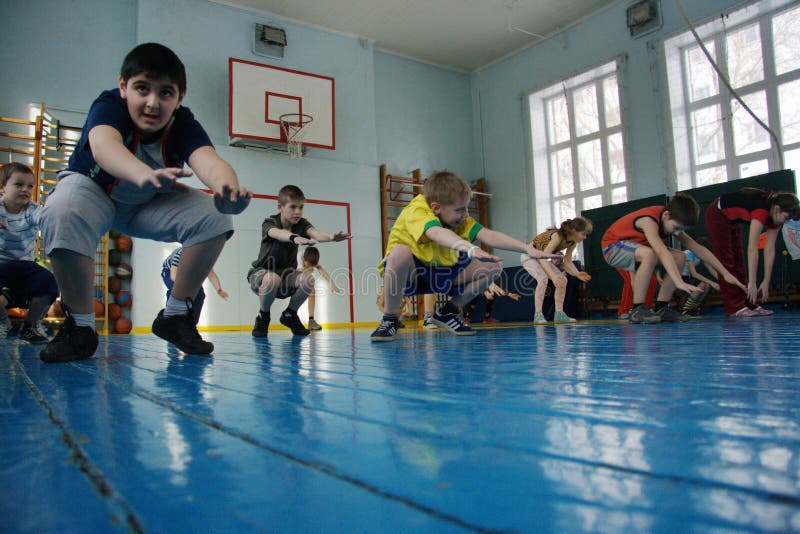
(385, 331)
(452, 321)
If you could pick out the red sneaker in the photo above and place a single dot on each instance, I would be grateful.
(490, 320)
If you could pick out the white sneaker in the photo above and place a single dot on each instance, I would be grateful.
(5, 328)
(428, 324)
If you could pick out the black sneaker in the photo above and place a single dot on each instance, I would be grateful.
(642, 314)
(385, 331)
(33, 335)
(289, 318)
(669, 314)
(181, 331)
(261, 326)
(71, 343)
(452, 321)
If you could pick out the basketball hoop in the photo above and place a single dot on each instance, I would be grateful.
(293, 130)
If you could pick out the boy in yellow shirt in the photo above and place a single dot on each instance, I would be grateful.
(431, 250)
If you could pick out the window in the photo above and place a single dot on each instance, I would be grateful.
(715, 138)
(577, 145)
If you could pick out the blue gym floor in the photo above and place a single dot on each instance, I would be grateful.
(599, 426)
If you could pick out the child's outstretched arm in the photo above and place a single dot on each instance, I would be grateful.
(110, 153)
(212, 276)
(549, 267)
(219, 176)
(769, 262)
(287, 236)
(697, 275)
(321, 236)
(500, 240)
(448, 238)
(708, 257)
(570, 268)
(650, 229)
(328, 279)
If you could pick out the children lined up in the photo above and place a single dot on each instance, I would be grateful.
(125, 173)
(635, 243)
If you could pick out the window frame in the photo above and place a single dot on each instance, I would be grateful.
(683, 157)
(542, 147)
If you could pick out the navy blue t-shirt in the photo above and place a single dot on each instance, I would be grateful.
(179, 139)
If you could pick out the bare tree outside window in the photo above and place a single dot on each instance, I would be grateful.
(715, 137)
(578, 149)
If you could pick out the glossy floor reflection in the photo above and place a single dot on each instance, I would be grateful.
(588, 427)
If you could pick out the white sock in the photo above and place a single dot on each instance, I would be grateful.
(175, 307)
(83, 319)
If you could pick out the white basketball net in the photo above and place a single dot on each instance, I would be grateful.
(293, 126)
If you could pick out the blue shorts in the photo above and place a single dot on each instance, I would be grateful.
(622, 255)
(26, 280)
(431, 279)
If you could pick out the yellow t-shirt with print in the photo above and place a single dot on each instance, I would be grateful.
(410, 227)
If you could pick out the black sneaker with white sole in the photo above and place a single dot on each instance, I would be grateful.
(33, 335)
(385, 331)
(669, 314)
(181, 331)
(453, 321)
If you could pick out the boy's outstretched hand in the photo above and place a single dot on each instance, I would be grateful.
(159, 178)
(232, 200)
(534, 252)
(481, 255)
(341, 236)
(732, 280)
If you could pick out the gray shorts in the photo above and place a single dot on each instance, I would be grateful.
(288, 285)
(622, 255)
(77, 212)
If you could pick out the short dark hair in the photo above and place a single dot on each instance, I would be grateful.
(787, 202)
(289, 193)
(311, 256)
(10, 168)
(683, 209)
(154, 60)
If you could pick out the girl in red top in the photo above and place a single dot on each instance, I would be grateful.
(762, 209)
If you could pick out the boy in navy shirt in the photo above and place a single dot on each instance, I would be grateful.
(124, 174)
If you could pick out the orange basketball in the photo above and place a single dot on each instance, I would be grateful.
(99, 308)
(17, 313)
(114, 285)
(114, 312)
(122, 326)
(123, 243)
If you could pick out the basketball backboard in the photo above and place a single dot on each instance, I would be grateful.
(259, 94)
